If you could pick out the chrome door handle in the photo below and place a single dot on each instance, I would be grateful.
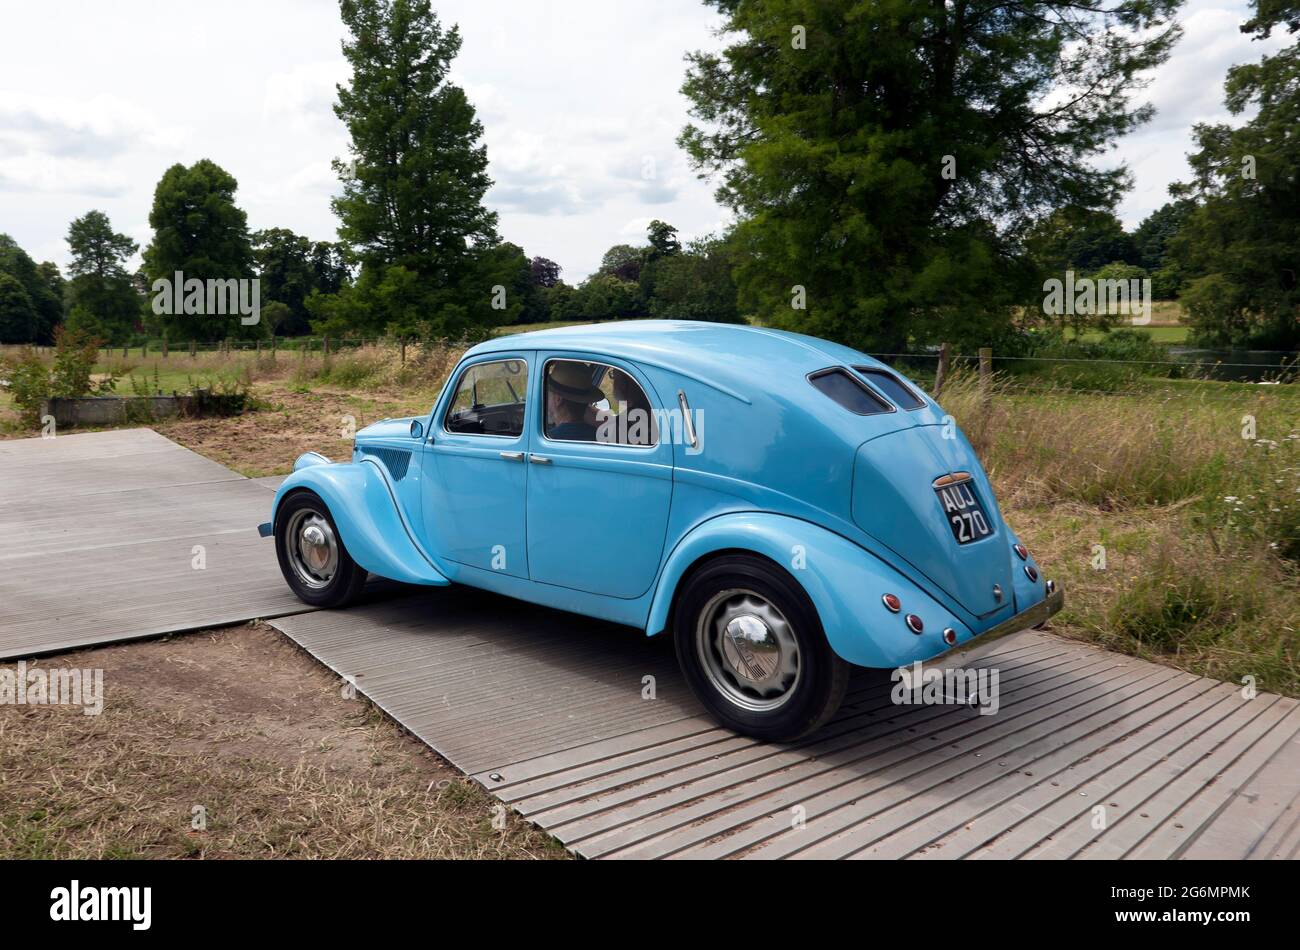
(539, 460)
(513, 456)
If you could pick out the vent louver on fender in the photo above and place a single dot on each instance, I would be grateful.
(395, 460)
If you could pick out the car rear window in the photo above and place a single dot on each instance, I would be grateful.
(893, 388)
(849, 392)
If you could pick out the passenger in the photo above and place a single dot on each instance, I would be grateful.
(570, 397)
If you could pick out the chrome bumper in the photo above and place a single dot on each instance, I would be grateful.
(1035, 615)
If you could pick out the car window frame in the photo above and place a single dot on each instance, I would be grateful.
(451, 398)
(546, 361)
(866, 372)
(857, 380)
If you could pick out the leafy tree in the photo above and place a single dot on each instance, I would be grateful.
(885, 158)
(623, 261)
(46, 298)
(329, 267)
(1080, 239)
(200, 232)
(49, 272)
(606, 297)
(101, 296)
(1152, 237)
(286, 265)
(696, 284)
(1241, 240)
(546, 273)
(17, 315)
(663, 239)
(411, 213)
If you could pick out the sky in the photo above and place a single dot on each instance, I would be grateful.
(580, 101)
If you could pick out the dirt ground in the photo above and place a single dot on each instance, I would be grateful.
(234, 744)
(266, 442)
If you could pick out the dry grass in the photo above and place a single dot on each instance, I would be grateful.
(1199, 527)
(246, 726)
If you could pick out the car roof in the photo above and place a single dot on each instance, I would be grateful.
(725, 353)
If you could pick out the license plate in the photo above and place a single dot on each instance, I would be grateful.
(963, 512)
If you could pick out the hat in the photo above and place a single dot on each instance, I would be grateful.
(573, 381)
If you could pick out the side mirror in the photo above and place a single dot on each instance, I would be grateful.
(417, 429)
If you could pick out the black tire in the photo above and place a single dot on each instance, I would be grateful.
(347, 577)
(818, 687)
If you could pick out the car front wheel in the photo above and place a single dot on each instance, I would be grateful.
(752, 649)
(312, 557)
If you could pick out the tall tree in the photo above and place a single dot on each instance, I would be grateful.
(101, 297)
(411, 212)
(287, 267)
(1241, 240)
(17, 315)
(44, 296)
(885, 157)
(201, 233)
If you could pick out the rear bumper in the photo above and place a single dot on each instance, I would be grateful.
(1032, 617)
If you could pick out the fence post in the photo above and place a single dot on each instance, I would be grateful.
(194, 348)
(273, 345)
(325, 346)
(124, 353)
(986, 373)
(402, 346)
(144, 348)
(941, 373)
(259, 349)
(164, 349)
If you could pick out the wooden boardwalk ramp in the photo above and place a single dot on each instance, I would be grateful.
(1090, 754)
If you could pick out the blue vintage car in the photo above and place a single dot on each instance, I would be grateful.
(786, 508)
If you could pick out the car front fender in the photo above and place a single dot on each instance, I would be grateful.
(370, 522)
(844, 581)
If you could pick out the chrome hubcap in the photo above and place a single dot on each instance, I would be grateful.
(748, 650)
(313, 548)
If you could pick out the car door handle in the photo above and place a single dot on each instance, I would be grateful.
(513, 456)
(539, 460)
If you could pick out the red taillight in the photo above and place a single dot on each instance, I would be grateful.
(950, 636)
(1023, 552)
(1031, 573)
(914, 623)
(892, 602)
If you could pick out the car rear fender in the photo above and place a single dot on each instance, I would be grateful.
(365, 510)
(844, 581)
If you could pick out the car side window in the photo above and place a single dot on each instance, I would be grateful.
(489, 399)
(594, 402)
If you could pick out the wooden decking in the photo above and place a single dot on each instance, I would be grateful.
(99, 534)
(549, 713)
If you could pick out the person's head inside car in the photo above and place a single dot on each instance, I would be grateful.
(570, 396)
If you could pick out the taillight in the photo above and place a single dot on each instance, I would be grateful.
(1030, 572)
(914, 624)
(949, 636)
(892, 602)
(1023, 552)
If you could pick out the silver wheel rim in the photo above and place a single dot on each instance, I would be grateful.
(748, 650)
(313, 548)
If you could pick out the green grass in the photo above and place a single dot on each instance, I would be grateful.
(1166, 335)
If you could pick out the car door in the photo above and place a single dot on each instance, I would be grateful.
(599, 488)
(475, 498)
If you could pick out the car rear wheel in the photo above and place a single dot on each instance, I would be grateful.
(753, 652)
(312, 557)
